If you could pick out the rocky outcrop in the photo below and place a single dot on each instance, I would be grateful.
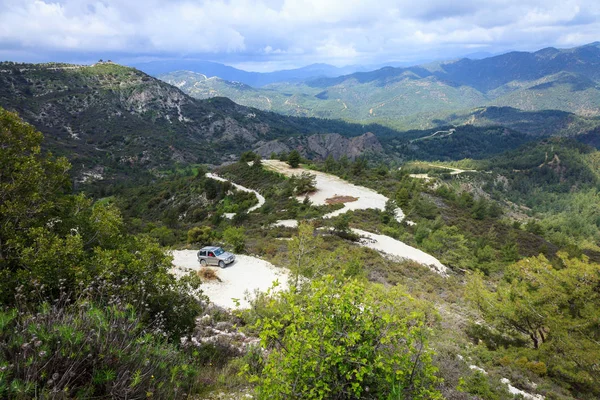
(274, 146)
(336, 145)
(108, 114)
(323, 145)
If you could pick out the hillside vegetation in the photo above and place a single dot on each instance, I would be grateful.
(91, 306)
(415, 97)
(111, 120)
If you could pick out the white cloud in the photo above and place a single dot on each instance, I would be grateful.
(292, 31)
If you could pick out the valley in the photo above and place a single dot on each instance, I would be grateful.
(442, 219)
(416, 97)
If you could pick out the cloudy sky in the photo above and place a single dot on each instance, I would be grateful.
(274, 34)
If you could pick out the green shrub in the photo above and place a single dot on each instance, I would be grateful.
(200, 235)
(85, 350)
(479, 385)
(235, 238)
(537, 367)
(342, 340)
(293, 159)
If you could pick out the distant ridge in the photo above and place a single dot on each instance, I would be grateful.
(256, 79)
(415, 97)
(110, 119)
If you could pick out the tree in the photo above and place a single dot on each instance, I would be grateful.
(465, 200)
(359, 166)
(451, 246)
(201, 235)
(510, 251)
(248, 156)
(480, 209)
(343, 163)
(494, 210)
(341, 224)
(403, 197)
(556, 309)
(53, 242)
(303, 253)
(345, 340)
(389, 211)
(303, 183)
(293, 159)
(31, 184)
(330, 164)
(424, 207)
(235, 238)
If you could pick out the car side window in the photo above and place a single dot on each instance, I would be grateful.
(203, 253)
(211, 255)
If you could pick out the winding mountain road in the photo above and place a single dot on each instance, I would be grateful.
(248, 274)
(329, 186)
(435, 134)
(259, 197)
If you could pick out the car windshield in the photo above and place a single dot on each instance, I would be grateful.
(219, 251)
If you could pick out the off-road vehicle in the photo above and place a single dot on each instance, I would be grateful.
(213, 255)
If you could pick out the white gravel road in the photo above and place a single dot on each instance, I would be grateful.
(329, 186)
(287, 223)
(396, 249)
(453, 171)
(261, 199)
(246, 275)
(389, 247)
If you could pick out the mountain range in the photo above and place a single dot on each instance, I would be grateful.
(256, 79)
(111, 120)
(415, 97)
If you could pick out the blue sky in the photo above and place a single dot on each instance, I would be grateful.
(275, 34)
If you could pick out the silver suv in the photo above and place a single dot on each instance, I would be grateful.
(212, 255)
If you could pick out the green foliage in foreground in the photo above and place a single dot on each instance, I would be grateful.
(53, 241)
(85, 350)
(345, 340)
(557, 308)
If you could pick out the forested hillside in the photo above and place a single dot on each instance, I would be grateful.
(510, 213)
(299, 200)
(417, 97)
(113, 120)
(517, 231)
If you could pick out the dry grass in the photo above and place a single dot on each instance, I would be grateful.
(208, 274)
(340, 199)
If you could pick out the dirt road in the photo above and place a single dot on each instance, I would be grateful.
(246, 274)
(259, 197)
(330, 186)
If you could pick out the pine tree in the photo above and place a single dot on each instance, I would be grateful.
(294, 159)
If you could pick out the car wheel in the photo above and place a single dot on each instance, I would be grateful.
(203, 263)
(221, 264)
